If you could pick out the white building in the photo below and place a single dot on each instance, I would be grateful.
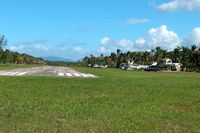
(170, 65)
(167, 61)
(130, 65)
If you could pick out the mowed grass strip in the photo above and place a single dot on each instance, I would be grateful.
(116, 101)
(16, 66)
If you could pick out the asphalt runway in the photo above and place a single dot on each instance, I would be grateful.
(46, 71)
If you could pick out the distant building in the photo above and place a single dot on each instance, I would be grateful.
(167, 61)
(176, 66)
(155, 63)
(130, 65)
(100, 66)
(169, 65)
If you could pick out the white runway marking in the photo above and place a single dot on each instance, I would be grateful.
(10, 73)
(68, 74)
(22, 73)
(84, 75)
(13, 73)
(61, 74)
(46, 71)
(76, 74)
(91, 75)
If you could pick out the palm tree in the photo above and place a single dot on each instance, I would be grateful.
(3, 42)
(118, 52)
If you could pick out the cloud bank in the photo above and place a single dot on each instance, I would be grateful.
(66, 49)
(134, 21)
(194, 37)
(109, 45)
(160, 36)
(187, 5)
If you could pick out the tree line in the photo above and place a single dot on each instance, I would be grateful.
(65, 64)
(7, 56)
(189, 57)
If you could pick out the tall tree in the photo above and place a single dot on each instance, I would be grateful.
(3, 42)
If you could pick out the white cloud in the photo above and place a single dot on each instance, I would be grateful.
(23, 46)
(40, 46)
(193, 38)
(44, 49)
(78, 49)
(160, 36)
(133, 21)
(105, 40)
(35, 48)
(188, 5)
(124, 43)
(140, 41)
(112, 44)
(103, 50)
(16, 47)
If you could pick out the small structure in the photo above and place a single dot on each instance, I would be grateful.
(96, 66)
(176, 66)
(155, 63)
(167, 61)
(130, 65)
(100, 66)
(103, 66)
(169, 65)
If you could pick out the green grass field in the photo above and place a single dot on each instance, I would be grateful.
(116, 101)
(14, 66)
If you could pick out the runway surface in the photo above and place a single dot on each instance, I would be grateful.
(46, 71)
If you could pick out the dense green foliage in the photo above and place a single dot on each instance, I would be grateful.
(7, 56)
(189, 57)
(116, 101)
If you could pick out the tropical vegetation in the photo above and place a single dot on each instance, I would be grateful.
(188, 57)
(10, 57)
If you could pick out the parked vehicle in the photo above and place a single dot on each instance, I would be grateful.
(152, 68)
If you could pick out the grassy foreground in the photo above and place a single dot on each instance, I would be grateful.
(117, 101)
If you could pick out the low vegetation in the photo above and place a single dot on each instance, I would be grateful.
(10, 57)
(15, 66)
(116, 101)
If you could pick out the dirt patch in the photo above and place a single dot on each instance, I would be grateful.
(183, 107)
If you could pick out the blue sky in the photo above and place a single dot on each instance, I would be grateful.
(76, 28)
